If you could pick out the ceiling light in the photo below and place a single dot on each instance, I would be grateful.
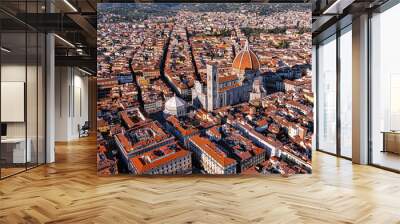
(5, 50)
(64, 40)
(70, 5)
(338, 6)
(84, 71)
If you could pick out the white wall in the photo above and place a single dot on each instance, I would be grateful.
(71, 102)
(80, 111)
(33, 127)
(61, 103)
(17, 73)
(12, 73)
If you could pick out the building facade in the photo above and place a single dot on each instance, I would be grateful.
(212, 159)
(169, 159)
(228, 89)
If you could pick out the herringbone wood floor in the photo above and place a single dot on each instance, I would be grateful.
(70, 192)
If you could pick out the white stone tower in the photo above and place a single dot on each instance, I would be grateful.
(212, 87)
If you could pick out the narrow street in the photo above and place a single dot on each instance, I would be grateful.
(192, 56)
(162, 64)
(140, 98)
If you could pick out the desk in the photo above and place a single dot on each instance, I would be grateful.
(391, 141)
(13, 150)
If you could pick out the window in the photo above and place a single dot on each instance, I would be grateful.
(385, 89)
(334, 93)
(327, 95)
(346, 72)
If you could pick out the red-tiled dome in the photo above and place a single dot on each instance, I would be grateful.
(246, 60)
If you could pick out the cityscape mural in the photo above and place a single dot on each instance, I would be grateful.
(205, 88)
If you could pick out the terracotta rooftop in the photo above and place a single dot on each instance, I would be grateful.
(246, 59)
(211, 149)
(125, 142)
(151, 160)
(184, 131)
(126, 119)
(227, 78)
(149, 132)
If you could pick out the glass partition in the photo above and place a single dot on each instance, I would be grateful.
(326, 131)
(346, 95)
(31, 98)
(13, 94)
(385, 89)
(22, 77)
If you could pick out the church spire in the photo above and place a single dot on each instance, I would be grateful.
(246, 45)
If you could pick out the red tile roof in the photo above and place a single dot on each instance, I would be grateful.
(211, 149)
(125, 142)
(175, 122)
(227, 78)
(142, 166)
(126, 119)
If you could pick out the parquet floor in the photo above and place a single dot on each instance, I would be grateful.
(70, 192)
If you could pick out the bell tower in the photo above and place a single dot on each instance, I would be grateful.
(212, 87)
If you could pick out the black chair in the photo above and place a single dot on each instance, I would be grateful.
(84, 130)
